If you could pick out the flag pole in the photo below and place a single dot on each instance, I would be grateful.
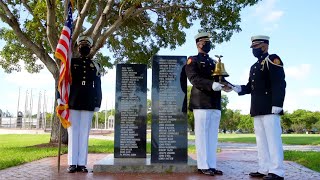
(64, 57)
(59, 147)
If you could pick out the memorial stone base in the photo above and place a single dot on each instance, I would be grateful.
(141, 165)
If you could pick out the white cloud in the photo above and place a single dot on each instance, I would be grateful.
(299, 72)
(108, 82)
(312, 92)
(110, 76)
(243, 78)
(302, 98)
(36, 80)
(241, 103)
(271, 28)
(266, 10)
(273, 16)
(291, 101)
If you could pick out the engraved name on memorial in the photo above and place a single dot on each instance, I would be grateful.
(131, 111)
(169, 119)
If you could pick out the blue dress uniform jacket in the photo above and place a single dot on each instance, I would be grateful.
(85, 89)
(199, 71)
(266, 85)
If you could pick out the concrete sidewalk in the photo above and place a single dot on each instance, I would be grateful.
(234, 164)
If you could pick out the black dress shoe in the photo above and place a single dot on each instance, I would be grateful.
(72, 169)
(82, 169)
(256, 174)
(272, 176)
(216, 171)
(206, 172)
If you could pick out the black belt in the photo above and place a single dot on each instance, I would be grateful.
(87, 83)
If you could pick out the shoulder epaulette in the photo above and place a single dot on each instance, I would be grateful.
(191, 59)
(274, 60)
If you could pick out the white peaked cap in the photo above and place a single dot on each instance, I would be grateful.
(85, 38)
(202, 34)
(260, 37)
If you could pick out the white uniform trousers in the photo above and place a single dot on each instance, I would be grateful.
(269, 143)
(78, 135)
(206, 122)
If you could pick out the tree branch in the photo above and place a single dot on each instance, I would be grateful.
(101, 41)
(25, 4)
(40, 52)
(80, 19)
(7, 11)
(78, 6)
(94, 24)
(52, 33)
(100, 24)
(163, 6)
(4, 18)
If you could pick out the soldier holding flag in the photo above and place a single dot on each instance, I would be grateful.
(79, 94)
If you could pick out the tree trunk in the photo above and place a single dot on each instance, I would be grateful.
(56, 123)
(55, 132)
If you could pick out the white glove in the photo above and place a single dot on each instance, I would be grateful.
(276, 110)
(227, 88)
(59, 101)
(96, 109)
(236, 88)
(216, 86)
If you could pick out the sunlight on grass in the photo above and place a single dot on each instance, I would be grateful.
(309, 159)
(291, 139)
(20, 148)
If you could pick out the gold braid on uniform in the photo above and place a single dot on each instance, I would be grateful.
(100, 71)
(266, 61)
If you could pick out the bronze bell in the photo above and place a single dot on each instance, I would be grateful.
(219, 69)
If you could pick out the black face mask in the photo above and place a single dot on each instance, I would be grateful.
(206, 47)
(257, 52)
(84, 50)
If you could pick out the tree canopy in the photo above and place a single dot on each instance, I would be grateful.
(132, 30)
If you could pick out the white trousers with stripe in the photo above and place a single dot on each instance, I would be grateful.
(269, 143)
(206, 122)
(78, 135)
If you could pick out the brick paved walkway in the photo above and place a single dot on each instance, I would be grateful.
(234, 164)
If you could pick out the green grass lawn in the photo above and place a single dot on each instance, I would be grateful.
(308, 159)
(291, 139)
(23, 148)
(19, 149)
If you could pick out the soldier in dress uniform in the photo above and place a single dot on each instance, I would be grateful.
(205, 102)
(84, 99)
(267, 88)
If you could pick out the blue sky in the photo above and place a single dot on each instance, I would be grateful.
(293, 27)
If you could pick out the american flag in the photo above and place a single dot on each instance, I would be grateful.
(64, 54)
